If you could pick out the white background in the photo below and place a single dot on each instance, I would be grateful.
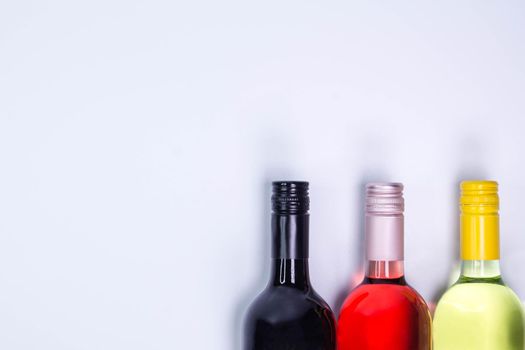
(138, 140)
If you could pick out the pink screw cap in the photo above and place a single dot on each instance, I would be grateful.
(384, 221)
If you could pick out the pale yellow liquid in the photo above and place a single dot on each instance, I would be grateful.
(479, 316)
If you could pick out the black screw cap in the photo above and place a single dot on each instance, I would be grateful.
(290, 197)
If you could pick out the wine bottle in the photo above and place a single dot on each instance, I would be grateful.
(384, 312)
(289, 314)
(479, 312)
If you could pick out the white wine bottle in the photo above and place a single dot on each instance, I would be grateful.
(479, 312)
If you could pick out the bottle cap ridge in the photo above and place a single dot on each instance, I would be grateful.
(385, 198)
(290, 197)
(479, 197)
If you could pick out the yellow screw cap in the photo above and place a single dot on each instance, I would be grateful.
(479, 220)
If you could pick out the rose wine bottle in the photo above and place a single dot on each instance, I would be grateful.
(479, 312)
(384, 312)
(289, 314)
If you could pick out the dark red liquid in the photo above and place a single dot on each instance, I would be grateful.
(288, 314)
(384, 314)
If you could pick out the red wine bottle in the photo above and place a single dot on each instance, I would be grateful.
(383, 312)
(289, 314)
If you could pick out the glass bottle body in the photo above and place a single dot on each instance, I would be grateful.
(479, 312)
(289, 314)
(383, 312)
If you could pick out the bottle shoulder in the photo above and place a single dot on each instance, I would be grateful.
(387, 293)
(489, 297)
(288, 318)
(282, 296)
(397, 310)
(384, 296)
(288, 303)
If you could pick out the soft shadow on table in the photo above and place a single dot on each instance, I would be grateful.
(262, 273)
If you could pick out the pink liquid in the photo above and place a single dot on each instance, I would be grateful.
(384, 314)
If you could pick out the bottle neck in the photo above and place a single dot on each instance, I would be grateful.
(480, 268)
(290, 273)
(479, 235)
(479, 231)
(290, 236)
(479, 245)
(290, 250)
(384, 269)
(384, 243)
